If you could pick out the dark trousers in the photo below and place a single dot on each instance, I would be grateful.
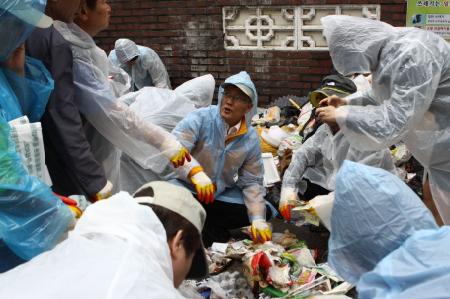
(221, 217)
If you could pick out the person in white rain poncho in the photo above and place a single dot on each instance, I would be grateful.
(409, 100)
(115, 122)
(142, 64)
(121, 248)
(165, 108)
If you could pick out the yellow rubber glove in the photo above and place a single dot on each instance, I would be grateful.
(182, 156)
(204, 187)
(175, 152)
(104, 193)
(261, 231)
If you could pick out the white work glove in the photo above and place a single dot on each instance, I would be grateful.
(288, 199)
(175, 152)
(261, 231)
(204, 187)
(104, 193)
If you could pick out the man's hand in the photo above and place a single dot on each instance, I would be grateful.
(182, 156)
(332, 101)
(104, 193)
(327, 115)
(204, 187)
(288, 199)
(261, 231)
(175, 152)
(16, 61)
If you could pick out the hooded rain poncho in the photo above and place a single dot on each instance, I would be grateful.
(409, 99)
(234, 167)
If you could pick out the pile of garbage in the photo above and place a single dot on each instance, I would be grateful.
(282, 268)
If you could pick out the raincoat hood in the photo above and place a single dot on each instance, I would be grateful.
(126, 50)
(199, 91)
(355, 43)
(244, 79)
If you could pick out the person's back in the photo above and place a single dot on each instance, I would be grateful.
(71, 163)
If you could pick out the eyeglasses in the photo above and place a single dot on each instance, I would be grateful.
(236, 98)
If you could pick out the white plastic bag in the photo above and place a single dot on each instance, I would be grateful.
(30, 145)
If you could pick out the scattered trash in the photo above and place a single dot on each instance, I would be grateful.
(282, 268)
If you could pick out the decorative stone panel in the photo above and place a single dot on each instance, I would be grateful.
(283, 28)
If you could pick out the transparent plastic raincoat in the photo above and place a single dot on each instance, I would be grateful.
(420, 268)
(236, 167)
(148, 70)
(32, 218)
(165, 108)
(115, 122)
(409, 100)
(117, 250)
(374, 212)
(321, 156)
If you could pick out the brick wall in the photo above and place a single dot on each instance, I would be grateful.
(188, 35)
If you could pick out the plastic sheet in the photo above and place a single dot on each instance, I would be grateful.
(374, 212)
(165, 107)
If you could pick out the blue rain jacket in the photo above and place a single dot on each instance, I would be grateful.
(420, 268)
(374, 212)
(236, 167)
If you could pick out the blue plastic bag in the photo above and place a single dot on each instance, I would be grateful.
(32, 219)
(373, 214)
(420, 268)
